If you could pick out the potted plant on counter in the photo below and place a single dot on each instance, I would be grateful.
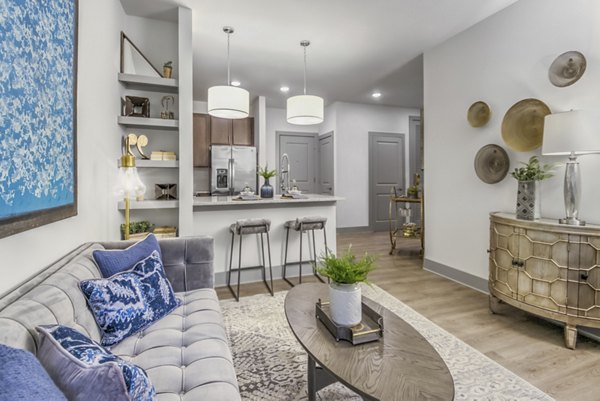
(266, 191)
(345, 272)
(528, 192)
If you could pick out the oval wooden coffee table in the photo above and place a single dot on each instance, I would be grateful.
(400, 366)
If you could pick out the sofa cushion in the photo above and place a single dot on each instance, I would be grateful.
(186, 354)
(86, 371)
(130, 301)
(23, 378)
(111, 262)
(51, 297)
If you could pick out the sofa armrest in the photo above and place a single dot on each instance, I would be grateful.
(188, 261)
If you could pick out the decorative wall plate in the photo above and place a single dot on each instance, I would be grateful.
(567, 68)
(479, 114)
(523, 125)
(491, 164)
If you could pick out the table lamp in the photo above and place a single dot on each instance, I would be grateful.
(572, 133)
(129, 185)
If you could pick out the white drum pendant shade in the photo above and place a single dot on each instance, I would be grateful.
(305, 110)
(228, 102)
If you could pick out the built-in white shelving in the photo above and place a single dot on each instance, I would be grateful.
(143, 122)
(141, 163)
(150, 204)
(134, 81)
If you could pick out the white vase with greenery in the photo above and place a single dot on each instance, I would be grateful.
(346, 273)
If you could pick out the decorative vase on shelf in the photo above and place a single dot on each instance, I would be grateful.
(266, 191)
(528, 200)
(345, 304)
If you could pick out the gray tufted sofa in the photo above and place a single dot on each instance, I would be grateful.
(186, 354)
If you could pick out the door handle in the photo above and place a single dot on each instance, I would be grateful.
(584, 276)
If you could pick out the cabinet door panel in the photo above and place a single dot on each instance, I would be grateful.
(220, 131)
(201, 140)
(503, 250)
(542, 281)
(587, 275)
(243, 132)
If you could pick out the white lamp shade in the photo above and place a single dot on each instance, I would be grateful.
(228, 102)
(576, 131)
(305, 110)
(129, 184)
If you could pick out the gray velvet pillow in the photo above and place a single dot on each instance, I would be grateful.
(86, 371)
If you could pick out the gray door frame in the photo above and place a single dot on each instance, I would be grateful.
(414, 155)
(320, 137)
(402, 137)
(278, 134)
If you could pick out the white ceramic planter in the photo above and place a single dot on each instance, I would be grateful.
(346, 308)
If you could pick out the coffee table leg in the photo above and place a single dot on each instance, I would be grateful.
(318, 378)
(312, 379)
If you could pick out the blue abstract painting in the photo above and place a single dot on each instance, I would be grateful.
(38, 65)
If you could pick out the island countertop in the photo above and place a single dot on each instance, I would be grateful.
(277, 200)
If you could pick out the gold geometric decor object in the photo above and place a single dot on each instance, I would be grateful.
(567, 68)
(491, 164)
(479, 114)
(523, 125)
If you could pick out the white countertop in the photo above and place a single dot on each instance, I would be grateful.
(207, 201)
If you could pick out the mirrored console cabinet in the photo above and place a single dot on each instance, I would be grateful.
(548, 269)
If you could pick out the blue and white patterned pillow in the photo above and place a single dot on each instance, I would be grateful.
(85, 370)
(129, 302)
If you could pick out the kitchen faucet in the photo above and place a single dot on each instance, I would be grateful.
(284, 183)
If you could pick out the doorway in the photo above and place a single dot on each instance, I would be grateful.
(325, 185)
(301, 150)
(386, 170)
(415, 162)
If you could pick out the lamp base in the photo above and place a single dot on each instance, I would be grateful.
(571, 221)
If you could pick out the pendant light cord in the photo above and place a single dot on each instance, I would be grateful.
(228, 61)
(304, 70)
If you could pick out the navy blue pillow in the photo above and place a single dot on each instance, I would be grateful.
(128, 302)
(86, 371)
(116, 261)
(22, 377)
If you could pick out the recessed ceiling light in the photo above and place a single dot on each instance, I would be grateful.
(235, 83)
(376, 95)
(284, 89)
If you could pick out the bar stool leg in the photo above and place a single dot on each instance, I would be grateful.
(230, 265)
(287, 238)
(264, 263)
(314, 267)
(272, 289)
(301, 235)
(237, 298)
(326, 247)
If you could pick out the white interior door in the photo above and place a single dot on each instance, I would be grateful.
(326, 165)
(301, 150)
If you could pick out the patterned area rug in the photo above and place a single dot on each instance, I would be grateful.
(271, 365)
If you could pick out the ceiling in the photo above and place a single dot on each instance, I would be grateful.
(357, 46)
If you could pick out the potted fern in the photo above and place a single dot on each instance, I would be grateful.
(528, 192)
(345, 273)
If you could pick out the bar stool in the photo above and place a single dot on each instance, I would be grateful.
(304, 225)
(245, 227)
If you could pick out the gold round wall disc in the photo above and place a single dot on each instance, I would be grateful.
(491, 164)
(567, 68)
(479, 114)
(523, 125)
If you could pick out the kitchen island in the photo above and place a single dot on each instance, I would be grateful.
(214, 214)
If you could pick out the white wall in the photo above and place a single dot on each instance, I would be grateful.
(501, 60)
(98, 144)
(353, 123)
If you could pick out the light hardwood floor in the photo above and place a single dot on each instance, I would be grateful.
(528, 346)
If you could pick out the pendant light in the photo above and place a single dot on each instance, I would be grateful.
(305, 109)
(226, 101)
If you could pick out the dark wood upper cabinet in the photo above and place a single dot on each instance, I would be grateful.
(243, 132)
(220, 131)
(201, 140)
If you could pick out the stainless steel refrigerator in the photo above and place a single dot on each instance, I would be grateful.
(233, 167)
